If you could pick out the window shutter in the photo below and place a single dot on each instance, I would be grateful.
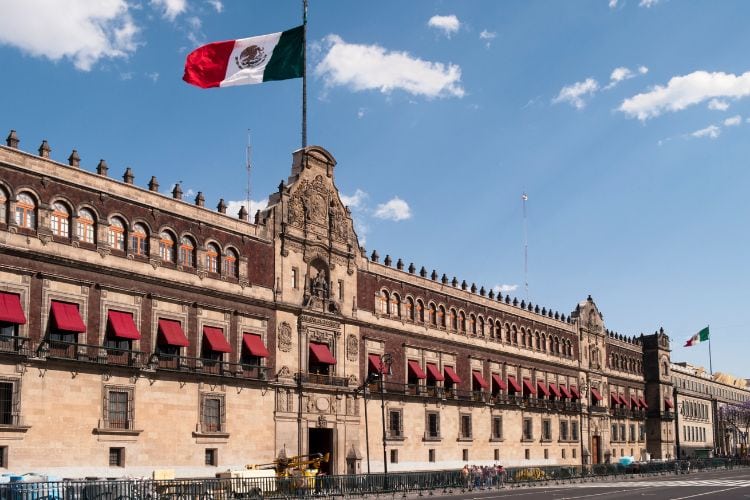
(16, 411)
(223, 410)
(131, 409)
(105, 411)
(437, 423)
(202, 411)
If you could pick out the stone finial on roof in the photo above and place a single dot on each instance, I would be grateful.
(523, 304)
(544, 311)
(499, 296)
(464, 285)
(281, 186)
(412, 268)
(74, 160)
(12, 140)
(473, 288)
(536, 308)
(482, 292)
(434, 276)
(454, 282)
(102, 168)
(128, 176)
(387, 261)
(507, 299)
(491, 294)
(242, 213)
(400, 264)
(515, 301)
(44, 149)
(375, 257)
(423, 272)
(200, 200)
(153, 184)
(222, 206)
(177, 191)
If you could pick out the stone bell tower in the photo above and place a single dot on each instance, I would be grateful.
(660, 430)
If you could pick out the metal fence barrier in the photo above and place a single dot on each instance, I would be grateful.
(401, 483)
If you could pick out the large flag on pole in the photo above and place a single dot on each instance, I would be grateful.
(699, 337)
(278, 56)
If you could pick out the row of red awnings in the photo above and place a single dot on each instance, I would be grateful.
(630, 402)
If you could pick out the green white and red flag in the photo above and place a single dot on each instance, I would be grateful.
(699, 337)
(278, 56)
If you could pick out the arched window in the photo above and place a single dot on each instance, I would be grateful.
(231, 264)
(543, 340)
(420, 311)
(453, 320)
(3, 206)
(166, 246)
(481, 326)
(472, 324)
(86, 227)
(462, 322)
(514, 334)
(187, 252)
(498, 330)
(385, 300)
(537, 341)
(212, 258)
(409, 308)
(395, 305)
(26, 211)
(116, 234)
(432, 314)
(508, 339)
(139, 240)
(60, 220)
(441, 316)
(490, 328)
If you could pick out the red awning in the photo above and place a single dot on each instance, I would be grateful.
(215, 339)
(479, 379)
(254, 344)
(67, 318)
(321, 354)
(555, 390)
(542, 387)
(566, 392)
(668, 403)
(614, 398)
(499, 382)
(574, 392)
(634, 401)
(596, 394)
(452, 375)
(528, 387)
(172, 333)
(10, 309)
(434, 372)
(643, 403)
(375, 364)
(122, 325)
(512, 382)
(625, 401)
(416, 369)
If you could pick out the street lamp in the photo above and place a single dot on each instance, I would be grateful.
(584, 391)
(385, 368)
(372, 377)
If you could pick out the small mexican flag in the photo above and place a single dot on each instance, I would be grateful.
(699, 337)
(278, 56)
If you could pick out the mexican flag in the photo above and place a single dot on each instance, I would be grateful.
(699, 337)
(278, 56)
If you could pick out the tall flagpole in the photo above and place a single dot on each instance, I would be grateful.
(710, 363)
(304, 73)
(525, 197)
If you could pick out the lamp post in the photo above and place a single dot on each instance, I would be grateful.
(584, 390)
(385, 367)
(372, 377)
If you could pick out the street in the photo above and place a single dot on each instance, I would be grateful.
(704, 485)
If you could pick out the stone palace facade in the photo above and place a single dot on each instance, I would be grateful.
(142, 331)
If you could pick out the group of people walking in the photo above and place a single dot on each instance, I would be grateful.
(483, 476)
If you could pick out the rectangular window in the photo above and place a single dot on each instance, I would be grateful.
(574, 430)
(546, 430)
(465, 455)
(613, 437)
(574, 453)
(433, 425)
(563, 453)
(641, 432)
(431, 455)
(465, 427)
(527, 454)
(3, 457)
(546, 453)
(118, 407)
(394, 456)
(6, 403)
(564, 430)
(497, 427)
(395, 424)
(212, 457)
(623, 436)
(117, 457)
(528, 433)
(295, 278)
(497, 454)
(213, 413)
(632, 432)
(341, 290)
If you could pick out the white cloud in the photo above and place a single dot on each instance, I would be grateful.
(505, 288)
(170, 8)
(154, 77)
(80, 30)
(395, 209)
(733, 121)
(575, 94)
(488, 36)
(447, 24)
(642, 70)
(712, 132)
(233, 207)
(371, 67)
(217, 5)
(361, 112)
(648, 3)
(718, 105)
(620, 74)
(355, 201)
(684, 91)
(612, 4)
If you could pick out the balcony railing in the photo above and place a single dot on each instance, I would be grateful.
(173, 362)
(89, 353)
(322, 379)
(13, 344)
(598, 409)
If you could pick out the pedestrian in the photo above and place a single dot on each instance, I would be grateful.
(501, 476)
(465, 476)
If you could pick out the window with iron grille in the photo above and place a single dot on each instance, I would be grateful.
(10, 402)
(465, 430)
(433, 425)
(564, 430)
(546, 430)
(528, 430)
(613, 437)
(213, 413)
(212, 457)
(395, 424)
(497, 428)
(117, 457)
(3, 457)
(574, 431)
(465, 454)
(394, 456)
(431, 455)
(118, 407)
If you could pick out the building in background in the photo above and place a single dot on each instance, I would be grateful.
(144, 331)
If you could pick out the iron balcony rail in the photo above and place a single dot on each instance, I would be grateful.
(13, 344)
(89, 353)
(322, 379)
(204, 366)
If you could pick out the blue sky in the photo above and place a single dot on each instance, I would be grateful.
(625, 121)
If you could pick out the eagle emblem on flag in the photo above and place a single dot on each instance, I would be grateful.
(251, 57)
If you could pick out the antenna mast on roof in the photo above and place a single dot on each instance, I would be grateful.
(524, 198)
(248, 165)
